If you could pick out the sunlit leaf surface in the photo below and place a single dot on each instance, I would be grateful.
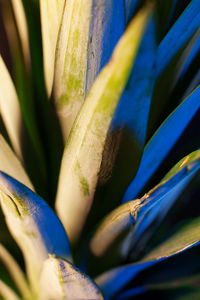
(66, 282)
(33, 225)
(83, 152)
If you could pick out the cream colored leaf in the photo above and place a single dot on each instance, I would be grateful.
(51, 13)
(11, 165)
(83, 152)
(60, 280)
(10, 109)
(6, 292)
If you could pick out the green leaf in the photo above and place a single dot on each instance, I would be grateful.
(83, 152)
(51, 15)
(66, 282)
(34, 226)
(10, 164)
(22, 27)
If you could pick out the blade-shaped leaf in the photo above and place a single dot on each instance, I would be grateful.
(22, 28)
(51, 14)
(6, 292)
(15, 271)
(83, 151)
(81, 40)
(33, 224)
(66, 282)
(10, 109)
(179, 34)
(157, 148)
(11, 165)
(135, 216)
(185, 238)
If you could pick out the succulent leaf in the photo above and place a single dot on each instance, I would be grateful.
(82, 36)
(51, 15)
(6, 292)
(157, 148)
(66, 282)
(84, 148)
(34, 226)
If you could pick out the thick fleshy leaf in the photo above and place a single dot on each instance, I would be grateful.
(83, 152)
(157, 148)
(66, 282)
(15, 272)
(51, 14)
(10, 109)
(87, 37)
(11, 165)
(22, 27)
(134, 217)
(179, 34)
(33, 225)
(186, 237)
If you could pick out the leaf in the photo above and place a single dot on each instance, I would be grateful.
(10, 109)
(11, 165)
(15, 272)
(134, 217)
(185, 238)
(179, 34)
(84, 148)
(66, 282)
(157, 148)
(88, 33)
(51, 15)
(20, 18)
(7, 292)
(34, 226)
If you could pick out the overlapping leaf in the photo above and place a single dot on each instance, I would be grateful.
(83, 151)
(33, 224)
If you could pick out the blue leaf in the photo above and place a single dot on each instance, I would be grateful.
(179, 34)
(133, 109)
(162, 142)
(106, 28)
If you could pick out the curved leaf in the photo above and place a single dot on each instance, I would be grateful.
(185, 238)
(6, 292)
(33, 225)
(83, 152)
(51, 15)
(66, 282)
(157, 148)
(11, 165)
(179, 34)
(82, 39)
(134, 217)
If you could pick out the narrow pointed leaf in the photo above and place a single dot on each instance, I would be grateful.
(15, 272)
(179, 34)
(11, 165)
(157, 148)
(51, 15)
(10, 109)
(185, 238)
(66, 282)
(33, 225)
(21, 22)
(135, 216)
(87, 37)
(84, 148)
(6, 292)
